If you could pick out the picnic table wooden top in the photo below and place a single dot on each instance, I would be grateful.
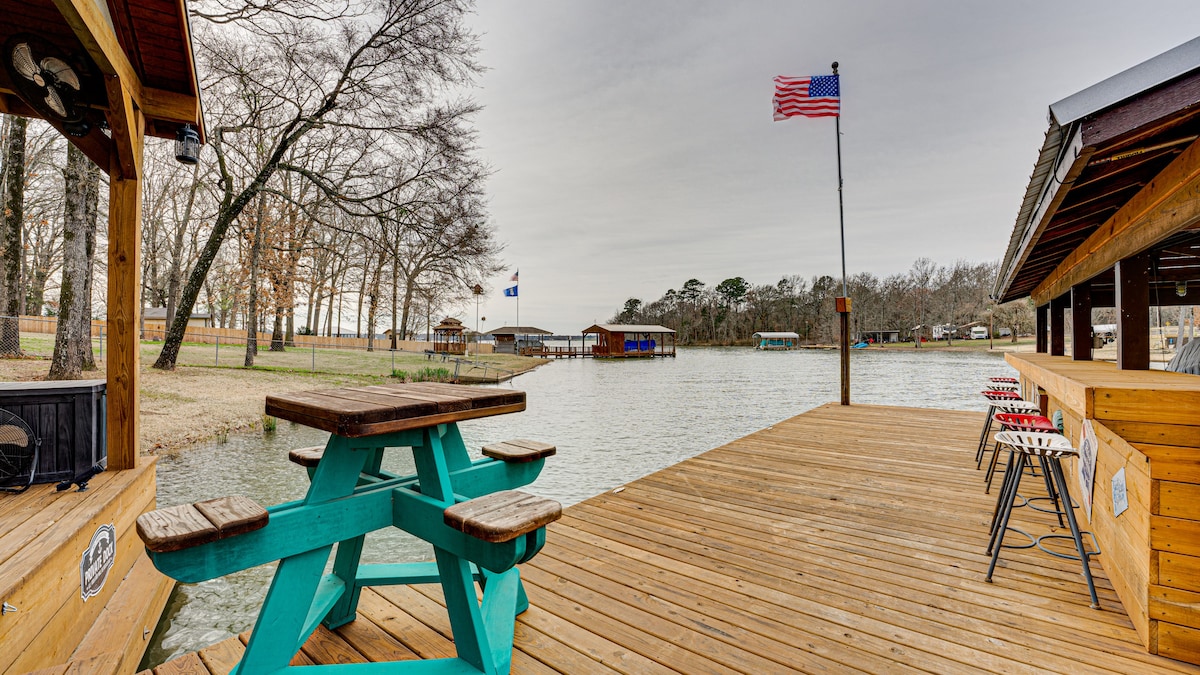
(355, 412)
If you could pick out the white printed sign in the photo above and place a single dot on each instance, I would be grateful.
(1087, 465)
(1119, 496)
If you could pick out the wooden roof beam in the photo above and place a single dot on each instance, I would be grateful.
(96, 34)
(1168, 204)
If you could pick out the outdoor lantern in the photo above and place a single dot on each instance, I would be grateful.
(1181, 288)
(187, 145)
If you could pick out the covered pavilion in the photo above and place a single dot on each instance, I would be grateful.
(1111, 218)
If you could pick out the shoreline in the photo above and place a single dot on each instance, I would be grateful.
(195, 404)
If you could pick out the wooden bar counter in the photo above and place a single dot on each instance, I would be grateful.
(1148, 423)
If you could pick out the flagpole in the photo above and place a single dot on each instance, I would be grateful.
(843, 303)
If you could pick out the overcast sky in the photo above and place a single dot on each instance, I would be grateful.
(633, 146)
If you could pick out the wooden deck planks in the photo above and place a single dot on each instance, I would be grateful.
(846, 539)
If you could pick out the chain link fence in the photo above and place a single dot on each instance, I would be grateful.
(218, 348)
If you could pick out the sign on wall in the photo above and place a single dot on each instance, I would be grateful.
(1087, 465)
(97, 560)
(1119, 496)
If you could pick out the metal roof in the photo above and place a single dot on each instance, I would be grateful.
(518, 330)
(1101, 146)
(775, 334)
(1128, 83)
(627, 328)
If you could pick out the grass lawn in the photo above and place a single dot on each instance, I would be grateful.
(210, 393)
(1000, 344)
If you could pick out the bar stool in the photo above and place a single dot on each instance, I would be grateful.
(1051, 448)
(994, 396)
(1008, 380)
(1016, 406)
(1018, 421)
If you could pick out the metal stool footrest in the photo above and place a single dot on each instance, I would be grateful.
(1029, 502)
(1033, 541)
(1071, 538)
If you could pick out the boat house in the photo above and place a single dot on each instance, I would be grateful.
(776, 340)
(448, 337)
(884, 336)
(626, 341)
(513, 339)
(1111, 218)
(130, 70)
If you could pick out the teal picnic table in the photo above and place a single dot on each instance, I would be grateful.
(479, 526)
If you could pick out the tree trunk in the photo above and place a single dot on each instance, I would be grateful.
(277, 331)
(256, 244)
(395, 281)
(175, 272)
(406, 310)
(372, 292)
(11, 247)
(73, 338)
(93, 223)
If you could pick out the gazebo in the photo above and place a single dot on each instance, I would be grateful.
(448, 337)
(105, 74)
(1111, 218)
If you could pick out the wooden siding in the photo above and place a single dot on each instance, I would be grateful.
(1146, 423)
(43, 534)
(846, 539)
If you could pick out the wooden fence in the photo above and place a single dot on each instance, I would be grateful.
(208, 335)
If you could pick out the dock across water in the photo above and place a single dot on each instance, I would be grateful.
(845, 539)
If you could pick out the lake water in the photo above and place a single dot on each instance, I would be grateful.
(613, 422)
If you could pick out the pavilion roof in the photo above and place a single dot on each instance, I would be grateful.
(1103, 145)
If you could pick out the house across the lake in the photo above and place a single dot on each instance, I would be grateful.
(155, 318)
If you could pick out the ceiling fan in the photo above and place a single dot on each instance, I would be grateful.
(45, 78)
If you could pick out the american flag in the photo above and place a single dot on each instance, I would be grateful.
(816, 96)
(515, 274)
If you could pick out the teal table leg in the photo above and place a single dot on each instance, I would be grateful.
(345, 564)
(284, 624)
(279, 630)
(466, 619)
(458, 584)
(503, 598)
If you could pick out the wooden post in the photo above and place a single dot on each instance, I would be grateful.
(1042, 323)
(843, 308)
(1058, 331)
(124, 298)
(1081, 322)
(1133, 313)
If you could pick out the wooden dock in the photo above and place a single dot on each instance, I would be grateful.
(846, 539)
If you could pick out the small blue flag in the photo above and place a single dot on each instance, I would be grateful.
(510, 292)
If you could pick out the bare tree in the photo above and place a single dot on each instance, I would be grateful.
(73, 338)
(13, 201)
(383, 69)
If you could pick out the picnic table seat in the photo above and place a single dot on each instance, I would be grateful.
(179, 527)
(502, 516)
(517, 451)
(308, 457)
